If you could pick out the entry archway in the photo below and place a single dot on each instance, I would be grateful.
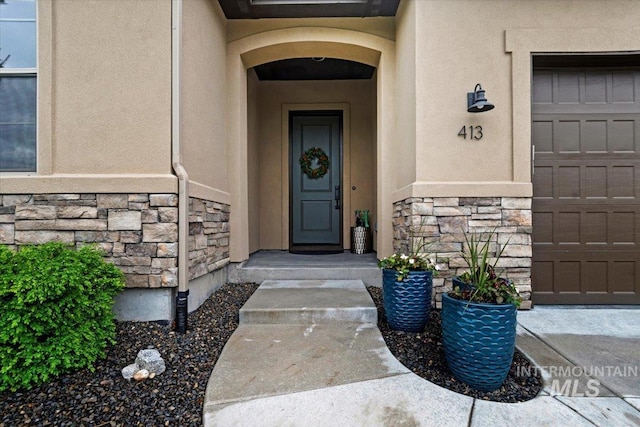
(298, 42)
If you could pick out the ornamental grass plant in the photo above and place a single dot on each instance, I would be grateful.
(484, 284)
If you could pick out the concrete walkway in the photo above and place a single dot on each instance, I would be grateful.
(309, 353)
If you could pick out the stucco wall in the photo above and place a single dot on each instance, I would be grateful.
(404, 163)
(111, 96)
(379, 26)
(459, 44)
(203, 77)
(358, 151)
(253, 161)
(104, 98)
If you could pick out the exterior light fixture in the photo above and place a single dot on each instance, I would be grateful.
(477, 102)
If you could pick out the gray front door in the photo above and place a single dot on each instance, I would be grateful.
(316, 205)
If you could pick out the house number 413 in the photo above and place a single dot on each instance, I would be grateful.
(473, 132)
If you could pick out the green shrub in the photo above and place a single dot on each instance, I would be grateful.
(56, 311)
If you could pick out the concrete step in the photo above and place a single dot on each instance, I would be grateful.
(309, 302)
(282, 265)
(371, 276)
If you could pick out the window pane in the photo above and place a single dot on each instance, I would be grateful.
(17, 99)
(17, 123)
(18, 33)
(18, 39)
(18, 9)
(17, 148)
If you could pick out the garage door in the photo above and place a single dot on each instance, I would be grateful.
(586, 181)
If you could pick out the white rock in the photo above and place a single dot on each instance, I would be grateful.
(128, 371)
(142, 374)
(150, 360)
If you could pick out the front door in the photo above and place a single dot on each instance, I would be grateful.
(316, 204)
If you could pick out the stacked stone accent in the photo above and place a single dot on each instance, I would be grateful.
(442, 222)
(138, 232)
(208, 236)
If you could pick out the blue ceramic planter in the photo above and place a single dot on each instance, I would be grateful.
(479, 341)
(464, 286)
(407, 304)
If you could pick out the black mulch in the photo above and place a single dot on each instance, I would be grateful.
(423, 353)
(175, 398)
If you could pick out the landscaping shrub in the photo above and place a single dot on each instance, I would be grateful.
(55, 311)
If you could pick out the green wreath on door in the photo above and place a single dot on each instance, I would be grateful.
(307, 159)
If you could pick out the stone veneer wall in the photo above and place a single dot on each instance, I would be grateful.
(138, 232)
(208, 236)
(442, 220)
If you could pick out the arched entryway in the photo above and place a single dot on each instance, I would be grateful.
(258, 145)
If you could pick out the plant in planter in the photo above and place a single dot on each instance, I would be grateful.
(407, 282)
(479, 318)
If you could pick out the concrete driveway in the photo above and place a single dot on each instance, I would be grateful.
(586, 352)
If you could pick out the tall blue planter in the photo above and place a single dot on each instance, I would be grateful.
(464, 286)
(407, 304)
(479, 341)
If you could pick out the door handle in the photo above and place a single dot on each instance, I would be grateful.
(337, 196)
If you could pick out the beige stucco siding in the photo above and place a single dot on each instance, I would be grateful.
(104, 99)
(203, 77)
(254, 136)
(112, 88)
(404, 145)
(275, 100)
(380, 26)
(459, 44)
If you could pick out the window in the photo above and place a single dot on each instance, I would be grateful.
(17, 85)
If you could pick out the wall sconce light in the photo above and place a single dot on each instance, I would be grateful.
(477, 102)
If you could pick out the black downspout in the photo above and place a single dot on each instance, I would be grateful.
(182, 311)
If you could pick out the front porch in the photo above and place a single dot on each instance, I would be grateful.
(282, 265)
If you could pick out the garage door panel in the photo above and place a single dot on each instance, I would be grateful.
(567, 227)
(596, 276)
(567, 181)
(568, 88)
(592, 133)
(609, 177)
(561, 279)
(621, 227)
(542, 135)
(566, 136)
(585, 224)
(568, 273)
(543, 224)
(586, 206)
(594, 139)
(594, 230)
(621, 136)
(543, 182)
(622, 179)
(595, 182)
(621, 83)
(542, 88)
(596, 87)
(543, 272)
(623, 276)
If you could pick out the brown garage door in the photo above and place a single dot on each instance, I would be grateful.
(586, 181)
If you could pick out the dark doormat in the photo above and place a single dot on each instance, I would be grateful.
(316, 249)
